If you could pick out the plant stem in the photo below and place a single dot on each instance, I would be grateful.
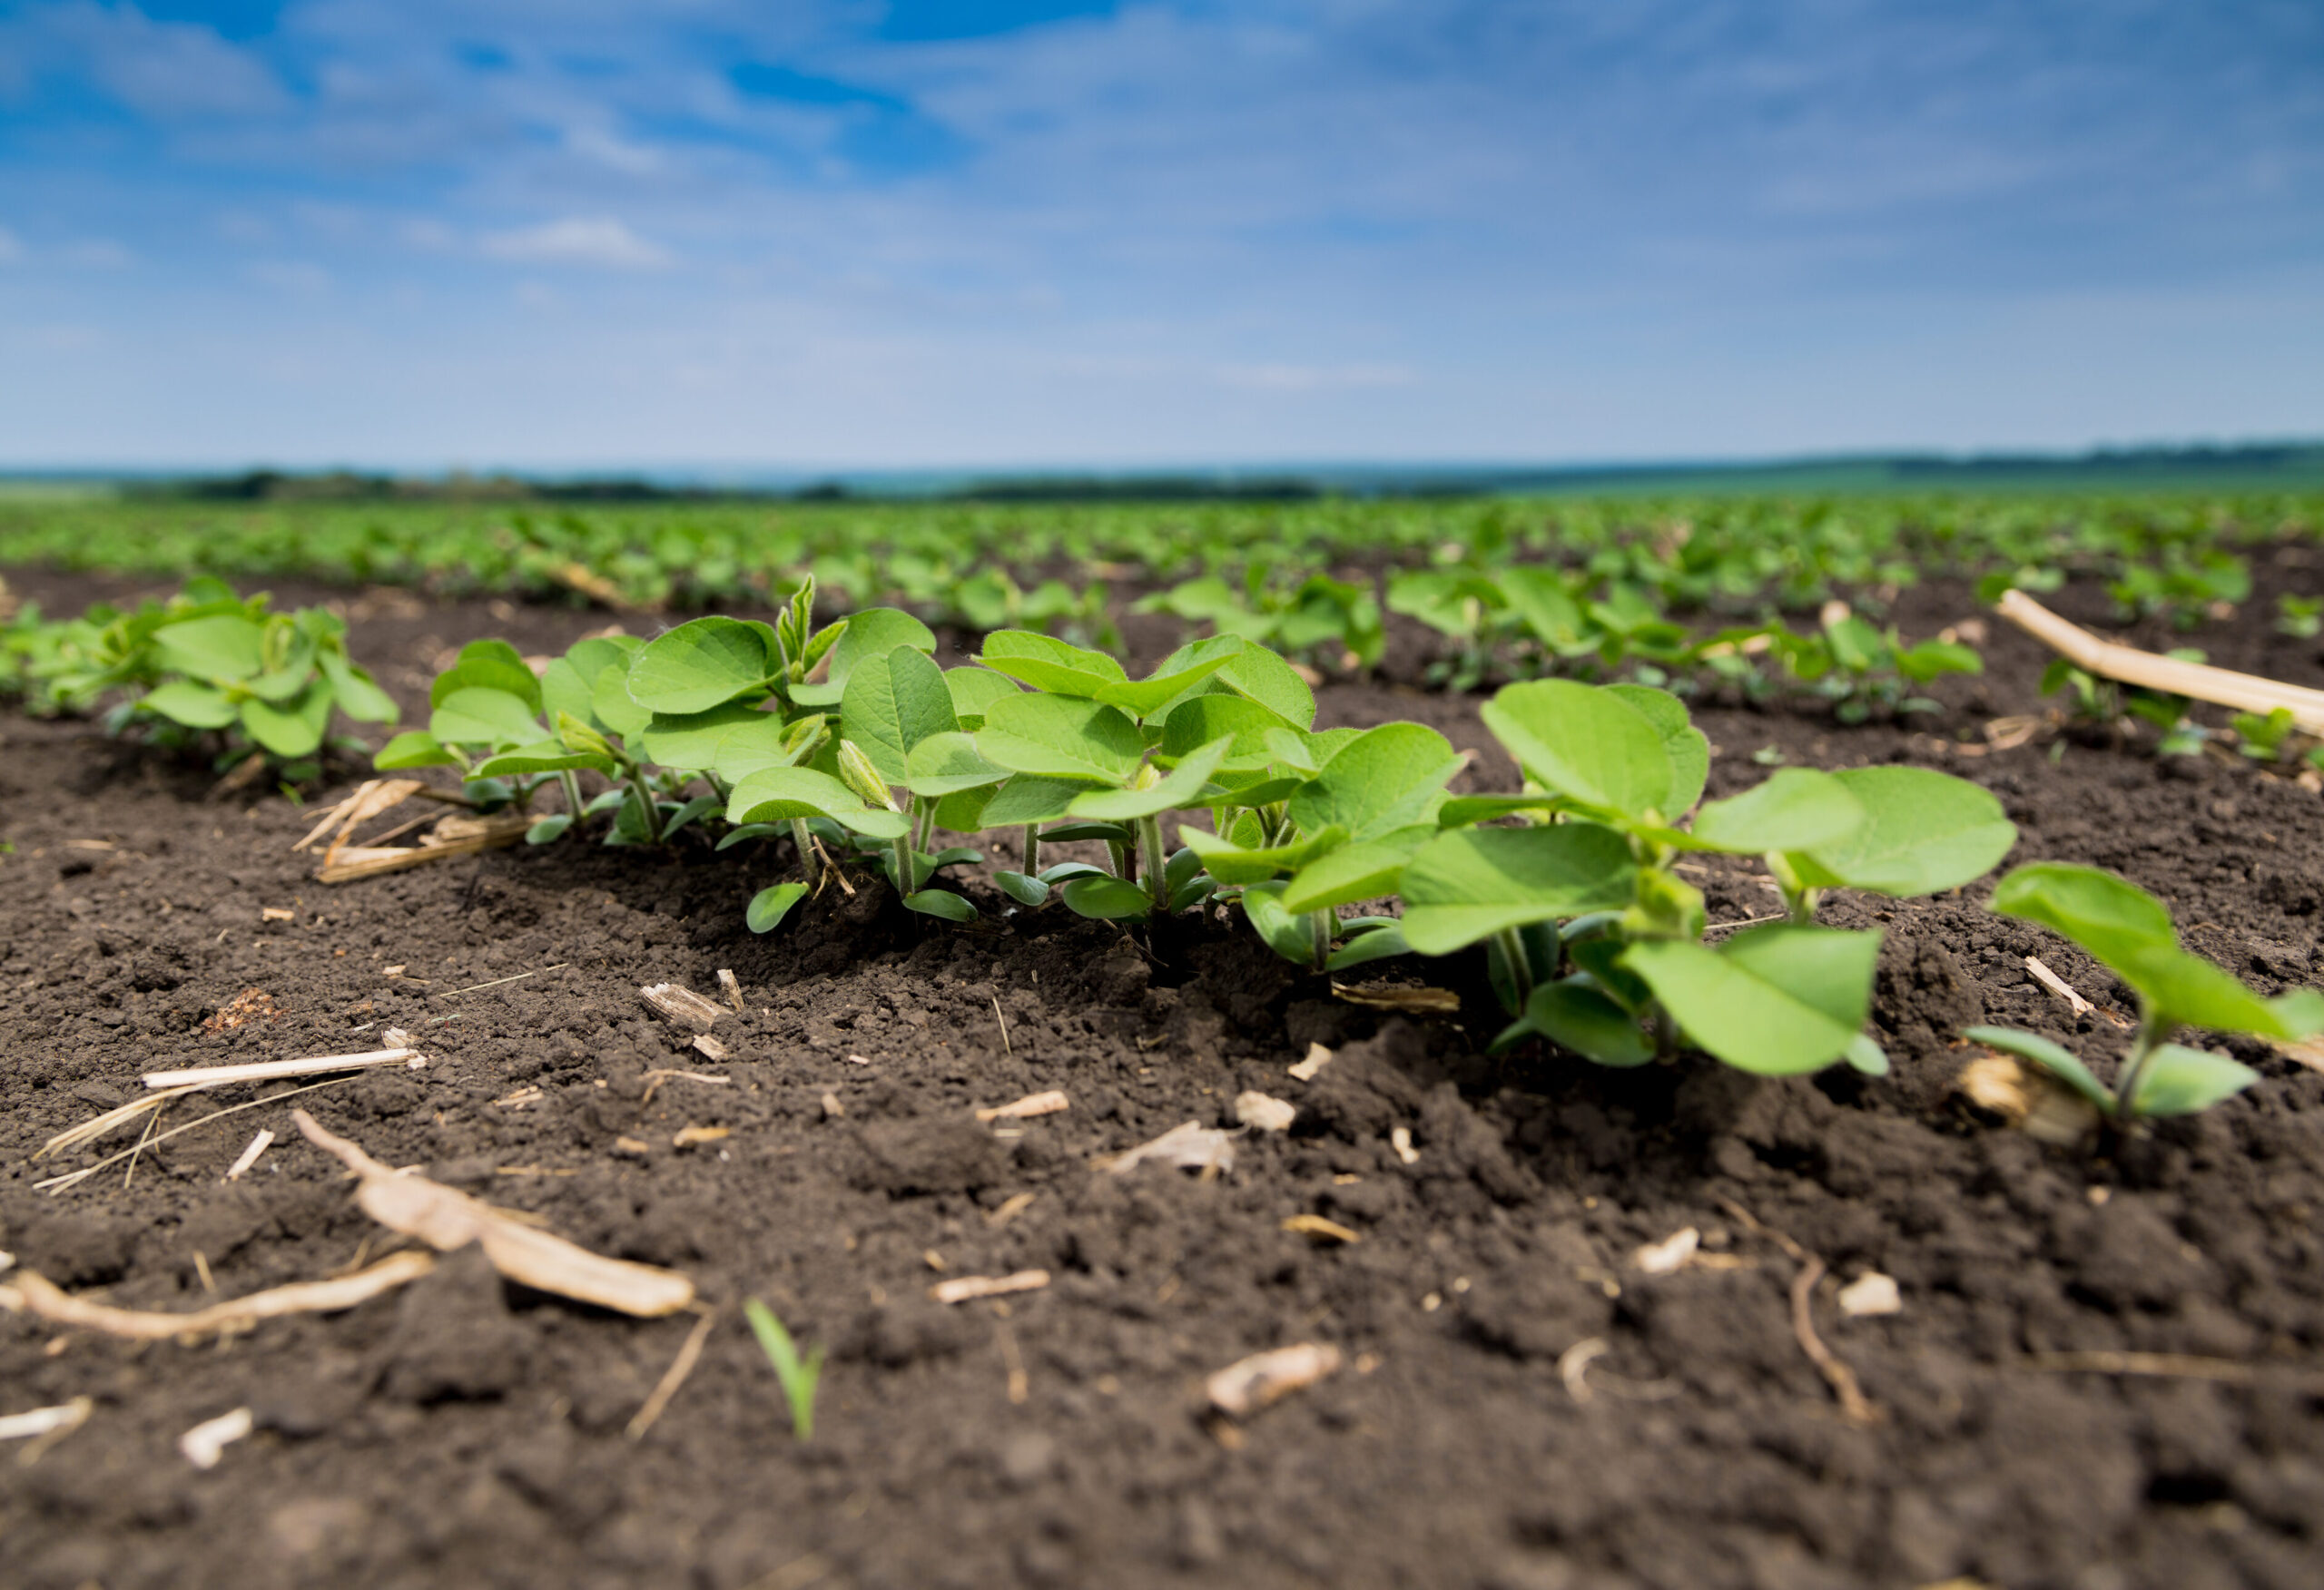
(1320, 927)
(649, 813)
(572, 792)
(1119, 852)
(806, 843)
(1033, 848)
(1150, 848)
(1520, 969)
(2150, 1038)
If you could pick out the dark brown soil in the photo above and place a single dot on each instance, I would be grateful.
(467, 1433)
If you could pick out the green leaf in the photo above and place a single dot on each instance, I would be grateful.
(1575, 1014)
(699, 807)
(543, 756)
(1462, 810)
(1387, 778)
(610, 703)
(745, 748)
(1922, 832)
(294, 730)
(483, 716)
(1194, 663)
(1260, 675)
(769, 907)
(941, 902)
(1027, 799)
(413, 748)
(1470, 883)
(2189, 990)
(944, 763)
(699, 664)
(1867, 1056)
(2113, 920)
(1379, 944)
(225, 646)
(1688, 747)
(548, 829)
(1201, 719)
(353, 689)
(1289, 935)
(197, 706)
(1050, 664)
(1587, 744)
(694, 740)
(2050, 1058)
(874, 632)
(780, 794)
(892, 702)
(1111, 833)
(747, 833)
(1235, 864)
(1797, 808)
(1109, 899)
(487, 665)
(1182, 786)
(1062, 737)
(1539, 598)
(2180, 1081)
(973, 691)
(1366, 870)
(1024, 890)
(1776, 1001)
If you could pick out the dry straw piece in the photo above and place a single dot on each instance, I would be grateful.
(1025, 1108)
(1189, 1145)
(1243, 1388)
(2246, 693)
(1410, 1000)
(35, 1294)
(681, 1004)
(445, 1220)
(968, 1288)
(454, 834)
(1264, 1112)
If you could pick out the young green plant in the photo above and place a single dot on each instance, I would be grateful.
(797, 1374)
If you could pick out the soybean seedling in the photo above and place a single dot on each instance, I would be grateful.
(797, 1375)
(2130, 932)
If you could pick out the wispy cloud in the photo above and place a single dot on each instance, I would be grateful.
(577, 239)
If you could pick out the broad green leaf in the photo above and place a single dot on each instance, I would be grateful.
(1379, 944)
(975, 689)
(698, 665)
(610, 703)
(747, 747)
(769, 907)
(1366, 870)
(941, 902)
(1291, 937)
(1539, 598)
(414, 748)
(1107, 899)
(2050, 1058)
(354, 691)
(2113, 920)
(544, 755)
(226, 646)
(1182, 786)
(1865, 1055)
(1201, 719)
(1797, 808)
(1111, 833)
(294, 730)
(694, 740)
(1922, 832)
(1024, 890)
(1236, 864)
(892, 702)
(1588, 743)
(1060, 737)
(197, 706)
(780, 794)
(1776, 1001)
(962, 811)
(1688, 747)
(2189, 990)
(487, 665)
(1470, 883)
(1030, 799)
(1575, 1014)
(944, 763)
(565, 689)
(483, 716)
(1462, 810)
(548, 829)
(874, 632)
(2180, 1081)
(1050, 664)
(1387, 778)
(1263, 677)
(1199, 662)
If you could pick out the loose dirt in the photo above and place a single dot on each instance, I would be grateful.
(1518, 1406)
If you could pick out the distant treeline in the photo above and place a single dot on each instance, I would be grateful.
(2288, 466)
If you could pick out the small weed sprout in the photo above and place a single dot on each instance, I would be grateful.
(797, 1374)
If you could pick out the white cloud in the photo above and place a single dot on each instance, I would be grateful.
(578, 239)
(167, 70)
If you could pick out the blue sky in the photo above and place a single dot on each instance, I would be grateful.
(580, 233)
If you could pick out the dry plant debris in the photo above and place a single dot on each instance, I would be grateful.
(2033, 1102)
(731, 988)
(1189, 1146)
(1869, 1295)
(208, 1076)
(1025, 1108)
(1854, 1406)
(248, 1156)
(1248, 1385)
(61, 1419)
(1317, 1058)
(1264, 1113)
(1322, 1229)
(2246, 693)
(1411, 1000)
(1669, 1255)
(708, 1047)
(1399, 1138)
(29, 1292)
(445, 1220)
(691, 1136)
(968, 1288)
(682, 1004)
(206, 1443)
(250, 1004)
(2059, 986)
